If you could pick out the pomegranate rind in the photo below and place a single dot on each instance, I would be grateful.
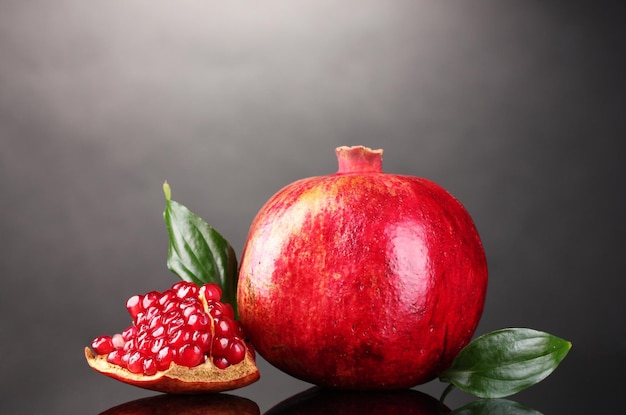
(205, 378)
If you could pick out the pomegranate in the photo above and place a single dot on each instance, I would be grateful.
(362, 279)
(182, 340)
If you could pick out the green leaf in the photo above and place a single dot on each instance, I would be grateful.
(504, 362)
(197, 252)
(494, 407)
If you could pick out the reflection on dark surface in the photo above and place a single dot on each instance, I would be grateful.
(322, 401)
(319, 401)
(213, 404)
(494, 406)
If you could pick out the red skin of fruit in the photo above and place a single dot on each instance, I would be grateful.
(362, 279)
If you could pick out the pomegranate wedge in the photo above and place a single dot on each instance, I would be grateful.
(182, 340)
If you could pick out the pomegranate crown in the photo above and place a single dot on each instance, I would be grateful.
(359, 159)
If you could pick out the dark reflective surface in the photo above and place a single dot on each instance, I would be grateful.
(215, 404)
(575, 387)
(317, 401)
(495, 407)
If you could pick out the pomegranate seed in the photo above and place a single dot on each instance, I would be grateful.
(166, 297)
(157, 345)
(145, 345)
(125, 358)
(103, 345)
(225, 326)
(135, 362)
(198, 321)
(140, 318)
(155, 322)
(211, 292)
(193, 309)
(150, 299)
(118, 341)
(217, 309)
(131, 344)
(175, 326)
(180, 338)
(165, 357)
(133, 305)
(149, 366)
(220, 346)
(172, 306)
(168, 317)
(221, 362)
(115, 357)
(189, 355)
(228, 310)
(236, 351)
(185, 289)
(142, 330)
(129, 333)
(151, 313)
(189, 302)
(202, 339)
(158, 332)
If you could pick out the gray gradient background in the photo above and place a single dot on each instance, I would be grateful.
(517, 108)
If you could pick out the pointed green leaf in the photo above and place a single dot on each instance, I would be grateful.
(197, 252)
(504, 362)
(494, 407)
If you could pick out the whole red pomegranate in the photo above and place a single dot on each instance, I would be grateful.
(362, 279)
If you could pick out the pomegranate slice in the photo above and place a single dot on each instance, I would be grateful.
(178, 344)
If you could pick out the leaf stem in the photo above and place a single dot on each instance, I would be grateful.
(167, 191)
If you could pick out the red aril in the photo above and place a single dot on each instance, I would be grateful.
(169, 347)
(362, 279)
(103, 345)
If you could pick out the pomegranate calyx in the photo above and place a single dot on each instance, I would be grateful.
(203, 378)
(359, 159)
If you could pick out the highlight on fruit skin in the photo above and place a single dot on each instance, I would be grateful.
(183, 340)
